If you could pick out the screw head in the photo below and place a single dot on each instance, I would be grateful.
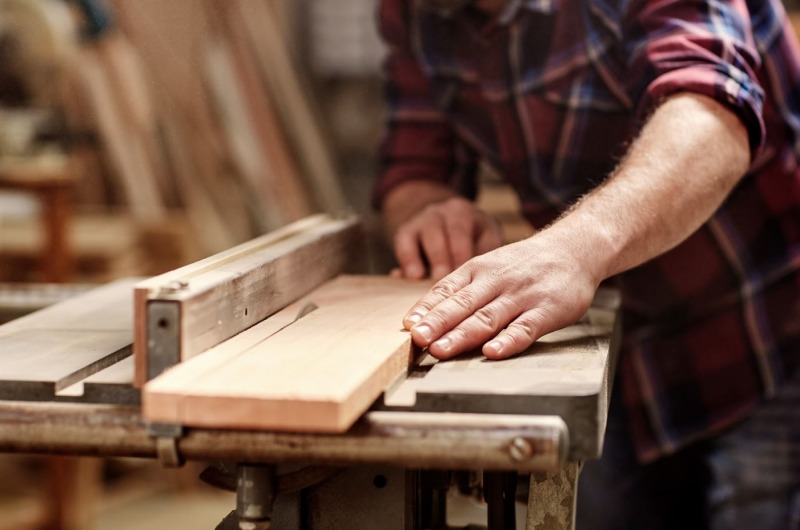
(520, 449)
(174, 286)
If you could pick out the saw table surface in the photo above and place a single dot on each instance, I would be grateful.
(79, 351)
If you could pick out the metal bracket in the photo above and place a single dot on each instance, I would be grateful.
(163, 337)
(167, 436)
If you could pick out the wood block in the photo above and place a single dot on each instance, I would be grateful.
(316, 374)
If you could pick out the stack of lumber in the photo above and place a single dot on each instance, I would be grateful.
(199, 106)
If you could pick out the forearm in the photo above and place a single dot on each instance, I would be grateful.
(689, 156)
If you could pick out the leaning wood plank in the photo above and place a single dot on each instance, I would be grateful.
(170, 38)
(291, 193)
(222, 295)
(125, 151)
(293, 102)
(317, 374)
(51, 349)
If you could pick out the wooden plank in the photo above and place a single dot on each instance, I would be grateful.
(566, 373)
(318, 374)
(217, 230)
(290, 195)
(239, 130)
(171, 37)
(298, 114)
(124, 148)
(227, 293)
(49, 350)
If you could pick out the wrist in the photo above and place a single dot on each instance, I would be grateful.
(589, 240)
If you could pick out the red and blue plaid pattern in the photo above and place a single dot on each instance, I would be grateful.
(551, 93)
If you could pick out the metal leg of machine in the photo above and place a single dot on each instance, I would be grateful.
(500, 489)
(429, 504)
(256, 489)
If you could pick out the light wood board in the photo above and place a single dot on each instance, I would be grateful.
(316, 374)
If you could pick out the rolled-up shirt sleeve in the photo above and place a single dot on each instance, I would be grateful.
(418, 142)
(703, 47)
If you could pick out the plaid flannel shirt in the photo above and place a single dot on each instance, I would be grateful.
(550, 93)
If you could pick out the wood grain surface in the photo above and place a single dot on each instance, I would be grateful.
(316, 374)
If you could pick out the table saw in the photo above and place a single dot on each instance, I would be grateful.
(193, 365)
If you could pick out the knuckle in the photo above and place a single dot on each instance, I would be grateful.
(436, 320)
(487, 318)
(424, 304)
(464, 299)
(523, 332)
(459, 335)
(444, 288)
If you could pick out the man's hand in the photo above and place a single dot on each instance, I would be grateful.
(441, 229)
(689, 156)
(506, 299)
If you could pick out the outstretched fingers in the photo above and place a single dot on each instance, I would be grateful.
(476, 329)
(449, 302)
(520, 334)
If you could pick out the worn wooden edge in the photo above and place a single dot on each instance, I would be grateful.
(192, 270)
(337, 240)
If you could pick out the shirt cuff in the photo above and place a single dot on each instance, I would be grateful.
(731, 87)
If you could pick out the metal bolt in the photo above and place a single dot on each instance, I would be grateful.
(520, 449)
(174, 286)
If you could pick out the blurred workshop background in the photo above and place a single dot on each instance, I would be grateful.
(140, 135)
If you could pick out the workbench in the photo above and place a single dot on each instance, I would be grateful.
(67, 387)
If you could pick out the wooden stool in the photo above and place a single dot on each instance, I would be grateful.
(52, 180)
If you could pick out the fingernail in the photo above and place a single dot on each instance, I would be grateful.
(423, 331)
(413, 319)
(495, 345)
(443, 344)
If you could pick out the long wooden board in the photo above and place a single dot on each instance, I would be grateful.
(260, 24)
(220, 296)
(316, 374)
(44, 353)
